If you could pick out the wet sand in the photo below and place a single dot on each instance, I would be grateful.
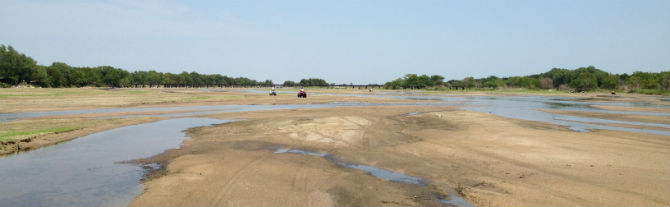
(611, 116)
(634, 109)
(490, 160)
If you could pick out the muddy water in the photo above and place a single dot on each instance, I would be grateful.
(86, 171)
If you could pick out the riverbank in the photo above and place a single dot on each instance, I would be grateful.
(489, 160)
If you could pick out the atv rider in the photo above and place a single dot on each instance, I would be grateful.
(302, 93)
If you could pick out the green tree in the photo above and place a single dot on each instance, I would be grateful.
(15, 67)
(585, 81)
(609, 82)
(469, 82)
(289, 83)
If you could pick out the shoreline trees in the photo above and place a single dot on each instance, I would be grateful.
(16, 68)
(580, 79)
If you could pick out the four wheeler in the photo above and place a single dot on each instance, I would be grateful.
(302, 94)
(273, 93)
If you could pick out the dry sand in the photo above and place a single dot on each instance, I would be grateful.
(491, 160)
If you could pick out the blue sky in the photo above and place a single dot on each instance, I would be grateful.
(343, 41)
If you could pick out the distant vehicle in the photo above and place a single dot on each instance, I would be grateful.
(273, 93)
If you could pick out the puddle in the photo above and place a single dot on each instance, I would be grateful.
(86, 171)
(453, 200)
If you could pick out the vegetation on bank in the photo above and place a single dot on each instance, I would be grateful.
(9, 136)
(16, 68)
(577, 80)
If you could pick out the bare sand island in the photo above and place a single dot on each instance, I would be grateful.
(490, 160)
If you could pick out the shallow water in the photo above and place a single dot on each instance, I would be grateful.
(86, 171)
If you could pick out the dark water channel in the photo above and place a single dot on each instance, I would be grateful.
(86, 171)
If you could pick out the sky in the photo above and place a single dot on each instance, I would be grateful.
(343, 41)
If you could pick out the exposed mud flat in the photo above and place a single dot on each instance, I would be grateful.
(488, 159)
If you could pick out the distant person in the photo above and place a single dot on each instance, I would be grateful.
(272, 91)
(302, 93)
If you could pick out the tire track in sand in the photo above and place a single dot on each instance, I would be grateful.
(229, 186)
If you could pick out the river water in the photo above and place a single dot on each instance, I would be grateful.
(86, 171)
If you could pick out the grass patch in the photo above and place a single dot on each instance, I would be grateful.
(21, 129)
(22, 134)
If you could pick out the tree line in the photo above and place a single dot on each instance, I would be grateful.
(580, 79)
(17, 68)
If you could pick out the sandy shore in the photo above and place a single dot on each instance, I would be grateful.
(490, 160)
